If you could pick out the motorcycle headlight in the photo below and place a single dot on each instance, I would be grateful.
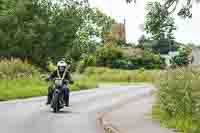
(58, 82)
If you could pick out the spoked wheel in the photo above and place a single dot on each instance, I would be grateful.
(55, 104)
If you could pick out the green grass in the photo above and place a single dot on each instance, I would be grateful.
(178, 96)
(84, 84)
(178, 100)
(34, 86)
(22, 88)
(31, 86)
(182, 123)
(19, 79)
(120, 76)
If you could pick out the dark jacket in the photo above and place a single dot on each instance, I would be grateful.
(55, 75)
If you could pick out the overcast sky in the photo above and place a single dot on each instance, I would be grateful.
(187, 30)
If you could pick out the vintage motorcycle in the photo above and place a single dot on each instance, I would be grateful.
(57, 101)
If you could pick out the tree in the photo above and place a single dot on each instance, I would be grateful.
(37, 30)
(43, 30)
(171, 6)
(160, 25)
(158, 22)
(91, 32)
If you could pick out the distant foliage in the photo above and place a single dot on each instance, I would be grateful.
(37, 30)
(112, 57)
(158, 22)
(160, 25)
(164, 46)
(107, 54)
(182, 59)
(173, 5)
(44, 30)
(88, 60)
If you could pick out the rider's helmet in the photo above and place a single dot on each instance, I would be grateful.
(61, 66)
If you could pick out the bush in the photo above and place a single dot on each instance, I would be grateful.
(50, 66)
(116, 58)
(120, 63)
(88, 60)
(147, 60)
(182, 59)
(105, 55)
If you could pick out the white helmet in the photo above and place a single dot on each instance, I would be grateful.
(61, 66)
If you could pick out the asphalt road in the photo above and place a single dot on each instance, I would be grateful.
(33, 116)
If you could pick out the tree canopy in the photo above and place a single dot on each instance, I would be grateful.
(171, 6)
(45, 30)
(158, 22)
(160, 26)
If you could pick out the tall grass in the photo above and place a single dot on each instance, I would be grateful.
(117, 75)
(14, 68)
(19, 79)
(179, 99)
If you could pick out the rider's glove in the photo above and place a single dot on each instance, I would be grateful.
(71, 82)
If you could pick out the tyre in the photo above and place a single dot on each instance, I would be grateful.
(55, 104)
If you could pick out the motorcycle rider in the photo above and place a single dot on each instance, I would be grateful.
(62, 71)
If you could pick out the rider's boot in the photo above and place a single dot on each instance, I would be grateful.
(49, 97)
(66, 98)
(48, 100)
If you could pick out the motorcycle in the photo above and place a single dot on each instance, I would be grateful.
(57, 101)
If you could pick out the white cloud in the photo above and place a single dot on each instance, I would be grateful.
(188, 30)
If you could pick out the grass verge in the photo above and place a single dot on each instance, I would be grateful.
(31, 86)
(22, 88)
(178, 99)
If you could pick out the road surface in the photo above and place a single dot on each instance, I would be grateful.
(33, 116)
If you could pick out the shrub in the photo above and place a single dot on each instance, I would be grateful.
(147, 60)
(50, 66)
(120, 63)
(116, 58)
(182, 59)
(105, 55)
(88, 60)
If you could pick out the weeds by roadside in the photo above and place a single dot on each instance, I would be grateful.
(178, 100)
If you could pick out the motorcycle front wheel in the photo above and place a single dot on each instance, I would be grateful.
(55, 104)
